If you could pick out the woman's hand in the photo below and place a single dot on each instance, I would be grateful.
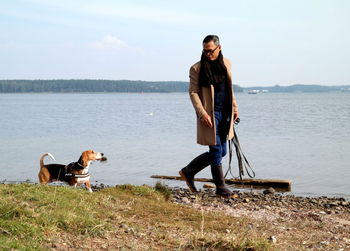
(206, 120)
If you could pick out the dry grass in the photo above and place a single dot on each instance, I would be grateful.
(34, 217)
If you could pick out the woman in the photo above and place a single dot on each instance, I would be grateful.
(213, 99)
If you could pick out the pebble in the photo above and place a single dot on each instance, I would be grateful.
(257, 201)
(270, 190)
(208, 185)
(324, 243)
(185, 200)
(273, 239)
(235, 196)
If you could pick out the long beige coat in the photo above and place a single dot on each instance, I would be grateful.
(202, 98)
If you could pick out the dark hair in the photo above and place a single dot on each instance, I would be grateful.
(213, 38)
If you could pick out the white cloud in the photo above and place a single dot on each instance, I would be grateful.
(112, 43)
(109, 42)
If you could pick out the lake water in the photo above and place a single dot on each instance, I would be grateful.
(302, 137)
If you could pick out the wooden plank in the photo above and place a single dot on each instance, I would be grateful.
(252, 182)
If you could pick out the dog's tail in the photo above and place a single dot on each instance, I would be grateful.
(42, 159)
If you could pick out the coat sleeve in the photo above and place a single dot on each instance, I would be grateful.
(194, 91)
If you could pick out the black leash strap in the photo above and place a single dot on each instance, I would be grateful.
(242, 160)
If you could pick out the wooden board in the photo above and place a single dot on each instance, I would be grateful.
(252, 182)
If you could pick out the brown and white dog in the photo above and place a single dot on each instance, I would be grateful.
(75, 173)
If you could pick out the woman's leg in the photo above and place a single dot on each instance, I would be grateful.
(196, 165)
(217, 152)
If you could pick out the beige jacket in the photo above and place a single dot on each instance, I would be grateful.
(202, 98)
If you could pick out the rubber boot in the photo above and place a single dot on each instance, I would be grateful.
(219, 181)
(196, 165)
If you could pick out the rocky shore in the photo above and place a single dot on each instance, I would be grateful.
(256, 201)
(289, 214)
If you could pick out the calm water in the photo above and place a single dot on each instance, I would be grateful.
(301, 137)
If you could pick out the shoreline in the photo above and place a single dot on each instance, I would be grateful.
(236, 190)
(254, 200)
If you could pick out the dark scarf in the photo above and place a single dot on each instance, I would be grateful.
(212, 72)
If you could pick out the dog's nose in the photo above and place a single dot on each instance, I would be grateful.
(102, 154)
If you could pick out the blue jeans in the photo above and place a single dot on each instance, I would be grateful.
(218, 151)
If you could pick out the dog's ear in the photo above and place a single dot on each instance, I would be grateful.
(80, 161)
(84, 158)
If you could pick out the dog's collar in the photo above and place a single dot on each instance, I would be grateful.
(76, 166)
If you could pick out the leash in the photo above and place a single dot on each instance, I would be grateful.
(242, 160)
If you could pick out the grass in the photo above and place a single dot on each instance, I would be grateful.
(38, 217)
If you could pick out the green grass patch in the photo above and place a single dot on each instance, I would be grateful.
(161, 188)
(35, 217)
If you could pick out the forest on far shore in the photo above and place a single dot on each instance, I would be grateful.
(98, 85)
(87, 85)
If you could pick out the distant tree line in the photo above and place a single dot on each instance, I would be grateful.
(87, 85)
(301, 88)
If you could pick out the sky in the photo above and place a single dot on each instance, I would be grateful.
(269, 42)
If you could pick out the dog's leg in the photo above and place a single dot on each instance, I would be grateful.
(88, 186)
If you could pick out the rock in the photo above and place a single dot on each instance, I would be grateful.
(234, 196)
(333, 204)
(273, 239)
(208, 185)
(324, 243)
(268, 201)
(344, 203)
(269, 191)
(185, 200)
(267, 207)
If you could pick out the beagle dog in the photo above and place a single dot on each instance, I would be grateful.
(75, 173)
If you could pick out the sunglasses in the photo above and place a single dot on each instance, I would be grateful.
(210, 51)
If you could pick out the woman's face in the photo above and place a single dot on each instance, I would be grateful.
(211, 51)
